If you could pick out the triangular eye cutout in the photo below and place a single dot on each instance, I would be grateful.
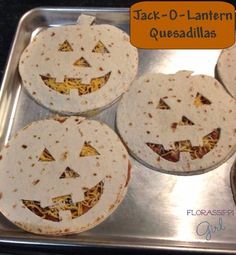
(82, 62)
(185, 122)
(65, 46)
(201, 100)
(46, 156)
(69, 173)
(100, 48)
(88, 150)
(163, 105)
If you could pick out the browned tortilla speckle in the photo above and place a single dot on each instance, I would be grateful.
(92, 39)
(182, 115)
(35, 182)
(58, 171)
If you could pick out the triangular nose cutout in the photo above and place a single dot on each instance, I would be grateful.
(185, 122)
(69, 173)
(82, 62)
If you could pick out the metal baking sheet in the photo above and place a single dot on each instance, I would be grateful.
(160, 211)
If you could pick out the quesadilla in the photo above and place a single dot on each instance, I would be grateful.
(75, 69)
(178, 123)
(226, 69)
(63, 179)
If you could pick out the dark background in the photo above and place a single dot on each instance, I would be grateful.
(12, 10)
(10, 13)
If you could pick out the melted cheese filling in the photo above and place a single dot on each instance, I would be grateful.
(196, 152)
(63, 203)
(75, 83)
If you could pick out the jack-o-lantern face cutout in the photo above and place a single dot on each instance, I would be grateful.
(91, 196)
(181, 123)
(65, 179)
(76, 83)
(78, 68)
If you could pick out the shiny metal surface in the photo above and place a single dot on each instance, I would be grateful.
(157, 212)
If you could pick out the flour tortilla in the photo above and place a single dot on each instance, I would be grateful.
(226, 69)
(70, 52)
(24, 176)
(140, 121)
